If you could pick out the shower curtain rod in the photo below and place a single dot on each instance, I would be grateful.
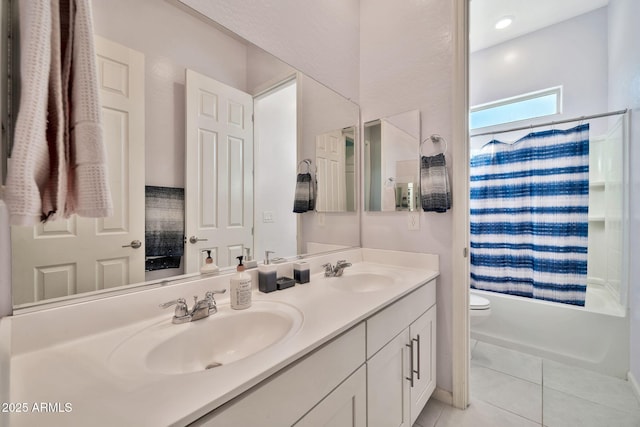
(593, 116)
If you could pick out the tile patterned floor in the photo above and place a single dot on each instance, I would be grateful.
(510, 388)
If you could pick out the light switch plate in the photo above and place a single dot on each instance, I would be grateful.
(321, 219)
(413, 221)
(267, 216)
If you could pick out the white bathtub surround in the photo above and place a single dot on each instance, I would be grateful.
(597, 340)
(73, 344)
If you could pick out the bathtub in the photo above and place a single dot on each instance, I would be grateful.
(594, 337)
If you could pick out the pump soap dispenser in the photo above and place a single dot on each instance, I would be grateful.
(248, 261)
(208, 267)
(240, 288)
(267, 275)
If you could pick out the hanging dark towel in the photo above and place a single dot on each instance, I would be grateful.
(164, 227)
(305, 199)
(434, 184)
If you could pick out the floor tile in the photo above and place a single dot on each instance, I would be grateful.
(431, 413)
(564, 410)
(513, 394)
(508, 361)
(478, 414)
(592, 386)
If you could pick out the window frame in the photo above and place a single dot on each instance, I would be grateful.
(555, 90)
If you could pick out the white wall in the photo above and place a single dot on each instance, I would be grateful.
(320, 38)
(406, 63)
(572, 54)
(624, 91)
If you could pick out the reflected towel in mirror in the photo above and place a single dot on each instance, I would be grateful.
(164, 227)
(305, 199)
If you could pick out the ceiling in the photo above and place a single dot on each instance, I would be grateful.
(529, 16)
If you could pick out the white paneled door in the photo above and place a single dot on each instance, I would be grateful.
(66, 257)
(219, 171)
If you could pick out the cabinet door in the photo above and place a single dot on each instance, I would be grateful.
(423, 335)
(346, 406)
(387, 385)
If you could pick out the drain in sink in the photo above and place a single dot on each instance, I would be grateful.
(213, 365)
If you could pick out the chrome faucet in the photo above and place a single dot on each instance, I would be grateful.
(200, 309)
(337, 270)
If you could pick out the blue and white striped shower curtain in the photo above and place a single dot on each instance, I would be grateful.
(529, 207)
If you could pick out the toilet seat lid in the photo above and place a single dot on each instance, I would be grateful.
(476, 302)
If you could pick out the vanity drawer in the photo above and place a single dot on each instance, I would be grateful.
(386, 324)
(284, 398)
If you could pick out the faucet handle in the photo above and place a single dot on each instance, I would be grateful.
(328, 269)
(209, 297)
(181, 307)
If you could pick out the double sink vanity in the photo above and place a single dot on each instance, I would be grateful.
(358, 349)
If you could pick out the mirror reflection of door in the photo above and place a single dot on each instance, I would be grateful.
(331, 169)
(219, 171)
(51, 260)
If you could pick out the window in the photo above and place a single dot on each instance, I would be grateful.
(530, 105)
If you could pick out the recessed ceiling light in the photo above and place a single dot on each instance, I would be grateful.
(504, 22)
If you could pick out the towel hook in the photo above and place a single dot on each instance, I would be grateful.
(435, 138)
(306, 162)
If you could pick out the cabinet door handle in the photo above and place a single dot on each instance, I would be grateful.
(418, 342)
(411, 370)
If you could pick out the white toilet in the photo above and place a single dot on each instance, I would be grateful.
(479, 308)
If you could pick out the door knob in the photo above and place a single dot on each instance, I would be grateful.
(135, 244)
(194, 240)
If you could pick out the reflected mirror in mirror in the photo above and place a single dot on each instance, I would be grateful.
(391, 163)
(204, 132)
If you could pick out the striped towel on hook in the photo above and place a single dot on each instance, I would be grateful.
(434, 184)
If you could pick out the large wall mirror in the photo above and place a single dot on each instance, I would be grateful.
(391, 163)
(207, 137)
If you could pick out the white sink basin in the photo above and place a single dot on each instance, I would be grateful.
(218, 340)
(361, 282)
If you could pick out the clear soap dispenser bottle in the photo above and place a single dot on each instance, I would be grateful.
(240, 287)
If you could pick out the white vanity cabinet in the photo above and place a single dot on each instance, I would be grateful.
(378, 375)
(401, 359)
(326, 387)
(346, 406)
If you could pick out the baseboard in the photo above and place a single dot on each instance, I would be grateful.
(634, 385)
(443, 396)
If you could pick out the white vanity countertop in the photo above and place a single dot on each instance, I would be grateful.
(77, 372)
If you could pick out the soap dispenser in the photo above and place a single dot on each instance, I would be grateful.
(267, 275)
(240, 288)
(248, 261)
(208, 267)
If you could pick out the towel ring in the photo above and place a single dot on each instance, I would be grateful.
(435, 138)
(306, 162)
